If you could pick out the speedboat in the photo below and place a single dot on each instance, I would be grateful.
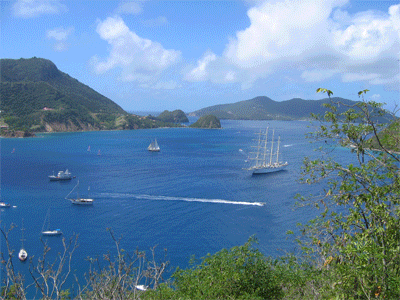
(52, 232)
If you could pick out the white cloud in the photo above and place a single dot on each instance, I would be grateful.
(140, 59)
(35, 8)
(375, 97)
(199, 73)
(130, 7)
(319, 39)
(60, 35)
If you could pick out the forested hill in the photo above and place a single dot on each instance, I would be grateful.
(23, 79)
(264, 108)
(37, 96)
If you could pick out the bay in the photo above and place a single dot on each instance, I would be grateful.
(191, 198)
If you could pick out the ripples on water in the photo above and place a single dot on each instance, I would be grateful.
(193, 197)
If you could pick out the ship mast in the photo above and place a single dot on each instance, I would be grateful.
(272, 146)
(265, 146)
(258, 149)
(277, 151)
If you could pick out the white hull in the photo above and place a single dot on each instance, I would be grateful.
(22, 255)
(61, 175)
(82, 201)
(78, 200)
(264, 161)
(52, 232)
(55, 178)
(268, 169)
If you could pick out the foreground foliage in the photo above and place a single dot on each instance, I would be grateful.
(355, 240)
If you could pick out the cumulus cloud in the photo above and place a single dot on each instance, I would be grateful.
(140, 59)
(35, 8)
(199, 73)
(320, 39)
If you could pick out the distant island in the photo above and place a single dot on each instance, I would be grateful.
(176, 116)
(38, 97)
(264, 108)
(208, 122)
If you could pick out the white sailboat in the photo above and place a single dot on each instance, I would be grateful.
(266, 162)
(22, 254)
(154, 146)
(49, 232)
(78, 200)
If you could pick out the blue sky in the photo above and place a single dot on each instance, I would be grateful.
(156, 55)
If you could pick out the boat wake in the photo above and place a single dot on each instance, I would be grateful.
(169, 198)
(290, 145)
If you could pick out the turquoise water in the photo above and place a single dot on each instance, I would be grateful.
(192, 198)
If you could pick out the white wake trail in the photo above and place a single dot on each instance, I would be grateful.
(169, 198)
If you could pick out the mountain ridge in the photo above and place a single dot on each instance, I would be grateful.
(264, 108)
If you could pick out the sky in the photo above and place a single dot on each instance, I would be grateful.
(148, 55)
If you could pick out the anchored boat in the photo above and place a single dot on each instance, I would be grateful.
(266, 162)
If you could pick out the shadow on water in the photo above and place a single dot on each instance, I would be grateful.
(271, 174)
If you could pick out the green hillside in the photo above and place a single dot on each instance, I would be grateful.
(209, 122)
(42, 75)
(264, 108)
(37, 97)
(176, 116)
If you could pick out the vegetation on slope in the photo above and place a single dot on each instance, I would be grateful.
(176, 116)
(36, 97)
(264, 108)
(209, 122)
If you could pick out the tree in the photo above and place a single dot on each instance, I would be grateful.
(355, 240)
(241, 272)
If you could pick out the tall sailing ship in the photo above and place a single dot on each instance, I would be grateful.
(266, 162)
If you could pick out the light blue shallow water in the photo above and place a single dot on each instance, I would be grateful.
(192, 198)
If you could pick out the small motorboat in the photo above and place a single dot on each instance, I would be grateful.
(61, 175)
(52, 232)
(22, 255)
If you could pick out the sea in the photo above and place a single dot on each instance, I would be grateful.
(192, 198)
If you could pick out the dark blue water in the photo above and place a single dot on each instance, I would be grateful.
(192, 198)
